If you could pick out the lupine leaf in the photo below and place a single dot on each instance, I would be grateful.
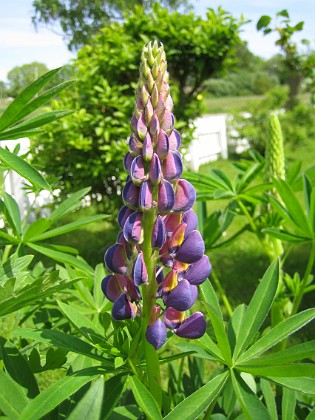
(69, 205)
(293, 205)
(196, 403)
(90, 406)
(41, 100)
(12, 397)
(278, 333)
(33, 123)
(285, 370)
(58, 392)
(288, 404)
(291, 354)
(24, 169)
(250, 403)
(130, 412)
(61, 257)
(144, 399)
(113, 390)
(258, 308)
(36, 228)
(9, 116)
(305, 385)
(14, 212)
(69, 227)
(235, 324)
(284, 235)
(63, 340)
(19, 370)
(269, 399)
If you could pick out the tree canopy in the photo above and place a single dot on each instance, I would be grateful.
(80, 20)
(88, 148)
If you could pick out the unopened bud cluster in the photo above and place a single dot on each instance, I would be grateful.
(158, 203)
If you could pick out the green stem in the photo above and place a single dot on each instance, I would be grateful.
(222, 294)
(148, 296)
(246, 213)
(298, 297)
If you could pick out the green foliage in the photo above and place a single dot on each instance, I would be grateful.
(87, 149)
(297, 64)
(80, 20)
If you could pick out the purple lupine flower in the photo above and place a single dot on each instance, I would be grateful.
(157, 221)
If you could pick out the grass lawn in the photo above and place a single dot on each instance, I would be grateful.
(230, 103)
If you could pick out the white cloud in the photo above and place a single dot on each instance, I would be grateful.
(18, 39)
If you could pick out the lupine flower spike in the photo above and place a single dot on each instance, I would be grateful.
(158, 260)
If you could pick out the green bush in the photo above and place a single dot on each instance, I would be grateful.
(87, 149)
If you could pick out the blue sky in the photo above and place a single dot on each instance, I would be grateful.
(21, 44)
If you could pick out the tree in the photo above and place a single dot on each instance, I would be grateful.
(21, 76)
(298, 64)
(80, 20)
(88, 148)
(3, 89)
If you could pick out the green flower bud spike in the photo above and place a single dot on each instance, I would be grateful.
(274, 151)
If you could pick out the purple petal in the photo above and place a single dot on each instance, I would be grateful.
(171, 221)
(191, 220)
(154, 125)
(123, 309)
(192, 327)
(141, 126)
(145, 197)
(111, 287)
(156, 174)
(148, 112)
(173, 318)
(172, 166)
(185, 196)
(116, 259)
(139, 270)
(167, 122)
(128, 161)
(133, 231)
(162, 147)
(182, 297)
(135, 146)
(137, 170)
(123, 214)
(133, 123)
(174, 140)
(128, 247)
(158, 233)
(197, 272)
(160, 276)
(160, 106)
(130, 194)
(147, 150)
(165, 197)
(192, 248)
(156, 334)
(169, 103)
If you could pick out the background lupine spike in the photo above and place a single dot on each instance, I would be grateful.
(157, 221)
(275, 164)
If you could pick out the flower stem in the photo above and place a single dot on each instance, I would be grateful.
(222, 294)
(149, 293)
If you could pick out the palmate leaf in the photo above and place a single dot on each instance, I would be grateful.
(90, 406)
(24, 169)
(144, 399)
(12, 397)
(19, 293)
(113, 390)
(277, 334)
(14, 213)
(69, 205)
(290, 370)
(66, 341)
(284, 235)
(19, 105)
(196, 403)
(288, 404)
(269, 398)
(15, 267)
(58, 392)
(250, 403)
(305, 385)
(258, 308)
(19, 370)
